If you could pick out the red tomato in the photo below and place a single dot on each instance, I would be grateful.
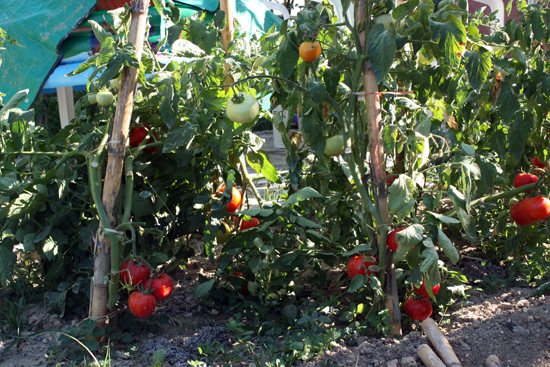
(142, 305)
(538, 163)
(391, 179)
(236, 199)
(244, 288)
(246, 224)
(535, 209)
(392, 242)
(522, 179)
(134, 274)
(161, 286)
(424, 292)
(138, 134)
(359, 263)
(517, 216)
(418, 309)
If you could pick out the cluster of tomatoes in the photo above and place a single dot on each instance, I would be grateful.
(142, 303)
(531, 209)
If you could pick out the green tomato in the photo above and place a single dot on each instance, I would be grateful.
(223, 233)
(423, 60)
(92, 98)
(254, 288)
(385, 19)
(104, 98)
(335, 146)
(242, 108)
(115, 83)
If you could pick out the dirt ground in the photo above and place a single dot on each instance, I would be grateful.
(506, 323)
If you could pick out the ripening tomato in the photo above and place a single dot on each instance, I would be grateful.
(138, 134)
(161, 286)
(134, 274)
(309, 51)
(517, 216)
(390, 179)
(142, 305)
(104, 98)
(236, 199)
(223, 233)
(359, 263)
(244, 288)
(392, 242)
(522, 179)
(246, 224)
(535, 209)
(335, 146)
(424, 292)
(538, 163)
(242, 108)
(418, 309)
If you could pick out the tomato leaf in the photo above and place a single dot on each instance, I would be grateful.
(468, 223)
(204, 288)
(400, 193)
(301, 195)
(381, 48)
(314, 130)
(288, 55)
(179, 135)
(478, 67)
(507, 102)
(404, 9)
(7, 261)
(357, 282)
(448, 248)
(519, 132)
(331, 78)
(407, 239)
(425, 9)
(100, 33)
(317, 90)
(444, 218)
(261, 164)
(451, 37)
(429, 256)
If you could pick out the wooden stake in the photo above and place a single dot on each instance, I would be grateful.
(428, 356)
(493, 361)
(228, 32)
(113, 175)
(378, 166)
(440, 343)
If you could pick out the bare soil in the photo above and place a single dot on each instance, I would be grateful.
(506, 323)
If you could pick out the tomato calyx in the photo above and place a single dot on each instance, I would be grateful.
(238, 98)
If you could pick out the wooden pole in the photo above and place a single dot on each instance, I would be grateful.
(113, 175)
(428, 356)
(493, 361)
(228, 6)
(440, 343)
(378, 165)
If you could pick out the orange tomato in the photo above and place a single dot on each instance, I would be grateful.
(309, 51)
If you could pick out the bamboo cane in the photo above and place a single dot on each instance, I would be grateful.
(428, 356)
(493, 361)
(378, 166)
(440, 343)
(228, 32)
(113, 175)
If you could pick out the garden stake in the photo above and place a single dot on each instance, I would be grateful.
(440, 343)
(493, 361)
(428, 356)
(113, 175)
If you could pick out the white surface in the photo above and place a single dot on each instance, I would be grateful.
(66, 105)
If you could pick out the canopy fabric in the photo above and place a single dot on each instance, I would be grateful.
(39, 27)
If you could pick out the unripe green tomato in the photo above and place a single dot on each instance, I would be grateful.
(335, 146)
(104, 98)
(92, 99)
(115, 83)
(244, 111)
(385, 19)
(258, 242)
(223, 233)
(254, 288)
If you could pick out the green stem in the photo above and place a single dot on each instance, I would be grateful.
(250, 182)
(129, 167)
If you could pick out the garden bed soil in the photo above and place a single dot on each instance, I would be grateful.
(505, 323)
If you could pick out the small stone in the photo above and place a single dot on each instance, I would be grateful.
(121, 355)
(464, 345)
(214, 312)
(530, 318)
(408, 362)
(521, 330)
(392, 363)
(522, 303)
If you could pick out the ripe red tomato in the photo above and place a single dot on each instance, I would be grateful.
(138, 274)
(522, 179)
(142, 305)
(244, 288)
(392, 242)
(246, 224)
(424, 292)
(358, 263)
(517, 216)
(138, 134)
(391, 179)
(538, 163)
(236, 199)
(535, 209)
(162, 286)
(418, 309)
(309, 51)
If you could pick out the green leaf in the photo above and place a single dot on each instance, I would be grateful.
(429, 256)
(317, 91)
(508, 102)
(288, 55)
(7, 261)
(357, 282)
(468, 223)
(425, 9)
(261, 164)
(331, 77)
(159, 354)
(407, 239)
(448, 248)
(14, 102)
(84, 66)
(25, 204)
(519, 132)
(100, 33)
(169, 99)
(314, 129)
(444, 218)
(204, 288)
(125, 56)
(179, 135)
(381, 48)
(478, 67)
(405, 9)
(400, 193)
(8, 186)
(451, 37)
(306, 223)
(301, 195)
(457, 197)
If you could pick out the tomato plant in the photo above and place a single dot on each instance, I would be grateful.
(242, 108)
(524, 179)
(142, 305)
(418, 309)
(535, 209)
(161, 286)
(138, 134)
(359, 264)
(134, 274)
(310, 51)
(392, 242)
